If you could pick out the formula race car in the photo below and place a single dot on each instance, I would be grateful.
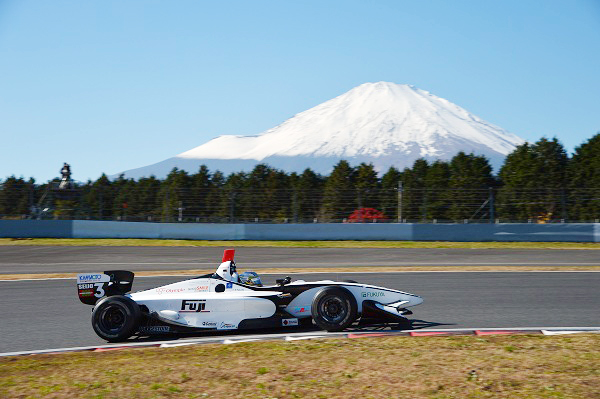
(227, 300)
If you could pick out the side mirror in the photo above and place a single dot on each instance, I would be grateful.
(284, 281)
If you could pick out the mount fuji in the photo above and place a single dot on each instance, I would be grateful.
(382, 123)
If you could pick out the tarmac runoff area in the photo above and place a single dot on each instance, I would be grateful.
(18, 262)
(46, 314)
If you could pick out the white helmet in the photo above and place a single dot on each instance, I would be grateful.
(227, 271)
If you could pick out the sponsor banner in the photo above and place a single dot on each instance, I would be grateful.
(289, 322)
(193, 306)
(90, 292)
(92, 278)
(155, 329)
(302, 310)
(226, 326)
(211, 324)
(229, 285)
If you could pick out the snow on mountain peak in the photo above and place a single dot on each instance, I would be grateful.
(373, 119)
(384, 123)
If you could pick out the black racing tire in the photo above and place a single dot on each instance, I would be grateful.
(115, 318)
(334, 308)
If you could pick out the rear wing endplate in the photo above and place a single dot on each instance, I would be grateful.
(93, 286)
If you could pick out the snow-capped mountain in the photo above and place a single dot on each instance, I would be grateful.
(384, 123)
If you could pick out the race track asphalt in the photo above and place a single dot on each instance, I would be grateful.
(47, 314)
(48, 259)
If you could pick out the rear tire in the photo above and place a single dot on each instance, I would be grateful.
(334, 308)
(115, 318)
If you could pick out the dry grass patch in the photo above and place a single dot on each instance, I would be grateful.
(525, 366)
(298, 244)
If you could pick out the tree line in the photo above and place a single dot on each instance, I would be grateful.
(537, 182)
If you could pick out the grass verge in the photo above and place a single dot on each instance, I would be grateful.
(520, 366)
(297, 244)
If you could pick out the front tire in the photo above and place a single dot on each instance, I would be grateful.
(115, 318)
(334, 308)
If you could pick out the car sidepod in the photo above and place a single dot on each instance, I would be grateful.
(209, 310)
(390, 300)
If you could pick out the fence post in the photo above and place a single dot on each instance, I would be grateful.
(295, 206)
(491, 200)
(100, 203)
(31, 201)
(231, 206)
(563, 203)
(424, 213)
(400, 192)
(180, 209)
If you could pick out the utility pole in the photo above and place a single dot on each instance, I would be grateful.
(400, 192)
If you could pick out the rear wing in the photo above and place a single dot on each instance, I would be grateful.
(93, 286)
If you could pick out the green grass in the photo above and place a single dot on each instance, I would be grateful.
(520, 366)
(130, 242)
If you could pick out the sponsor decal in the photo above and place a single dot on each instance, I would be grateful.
(92, 278)
(162, 290)
(226, 326)
(85, 286)
(188, 305)
(286, 295)
(373, 294)
(209, 323)
(199, 288)
(91, 289)
(301, 310)
(229, 285)
(289, 322)
(155, 329)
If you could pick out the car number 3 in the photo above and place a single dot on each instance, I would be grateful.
(99, 290)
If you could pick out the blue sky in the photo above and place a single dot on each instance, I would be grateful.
(111, 85)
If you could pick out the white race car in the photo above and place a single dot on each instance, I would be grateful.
(227, 300)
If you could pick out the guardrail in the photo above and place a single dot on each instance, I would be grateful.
(562, 232)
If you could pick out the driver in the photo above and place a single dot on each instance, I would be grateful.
(228, 272)
(250, 278)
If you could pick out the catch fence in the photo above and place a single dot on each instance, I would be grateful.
(292, 205)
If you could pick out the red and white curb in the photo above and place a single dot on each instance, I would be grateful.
(234, 339)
